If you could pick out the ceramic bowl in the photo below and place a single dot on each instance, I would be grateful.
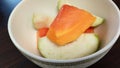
(23, 35)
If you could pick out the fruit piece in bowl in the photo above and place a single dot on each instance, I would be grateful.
(98, 21)
(71, 32)
(41, 20)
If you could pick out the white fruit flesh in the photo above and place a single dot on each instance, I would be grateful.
(41, 20)
(98, 21)
(61, 3)
(85, 45)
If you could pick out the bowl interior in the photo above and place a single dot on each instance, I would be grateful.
(24, 34)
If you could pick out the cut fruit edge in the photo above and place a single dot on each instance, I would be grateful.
(98, 21)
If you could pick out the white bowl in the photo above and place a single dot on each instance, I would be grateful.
(24, 36)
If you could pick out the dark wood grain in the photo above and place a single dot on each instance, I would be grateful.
(10, 57)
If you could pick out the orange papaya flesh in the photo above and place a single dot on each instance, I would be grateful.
(90, 30)
(69, 24)
(42, 31)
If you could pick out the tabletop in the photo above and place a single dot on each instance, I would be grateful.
(10, 57)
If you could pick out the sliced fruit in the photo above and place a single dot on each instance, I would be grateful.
(69, 24)
(90, 30)
(85, 45)
(98, 21)
(41, 20)
(42, 31)
(61, 3)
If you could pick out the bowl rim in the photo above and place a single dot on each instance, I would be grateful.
(36, 57)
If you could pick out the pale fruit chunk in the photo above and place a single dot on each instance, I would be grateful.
(85, 45)
(61, 3)
(98, 21)
(41, 20)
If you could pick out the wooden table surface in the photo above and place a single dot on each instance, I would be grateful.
(10, 57)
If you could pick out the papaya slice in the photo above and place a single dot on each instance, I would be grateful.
(42, 31)
(90, 30)
(69, 24)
